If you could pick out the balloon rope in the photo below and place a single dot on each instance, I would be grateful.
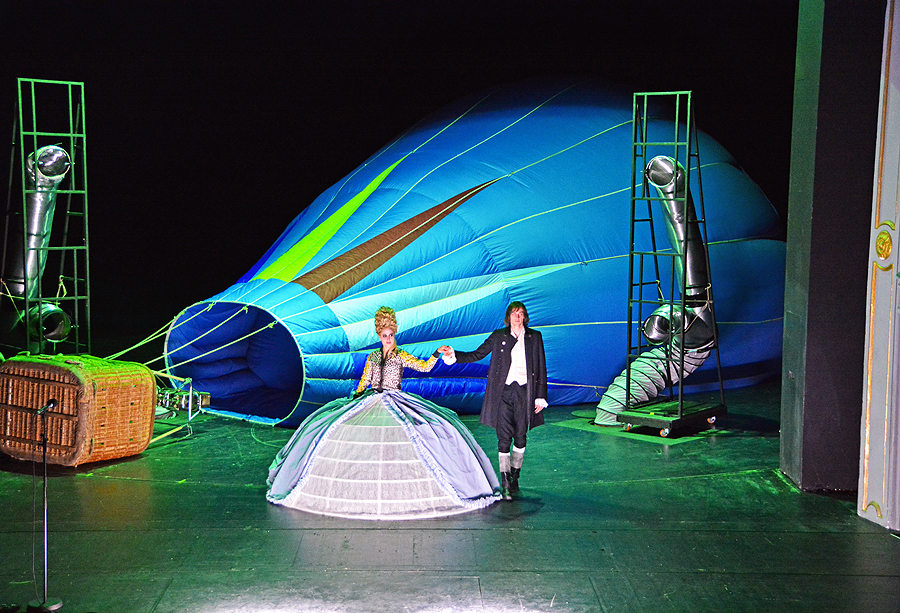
(511, 173)
(447, 161)
(61, 291)
(8, 294)
(570, 147)
(181, 323)
(463, 152)
(349, 177)
(593, 387)
(169, 376)
(157, 334)
(459, 154)
(152, 337)
(412, 187)
(243, 309)
(261, 442)
(450, 206)
(237, 340)
(165, 434)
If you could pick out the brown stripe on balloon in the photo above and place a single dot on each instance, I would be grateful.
(336, 276)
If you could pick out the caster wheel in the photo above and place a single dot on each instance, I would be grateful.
(664, 432)
(711, 420)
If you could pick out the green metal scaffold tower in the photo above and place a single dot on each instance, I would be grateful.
(46, 272)
(660, 280)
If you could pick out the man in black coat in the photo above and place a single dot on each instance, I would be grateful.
(516, 391)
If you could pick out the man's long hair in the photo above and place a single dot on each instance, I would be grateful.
(512, 307)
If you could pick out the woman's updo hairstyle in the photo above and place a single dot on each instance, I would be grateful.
(385, 318)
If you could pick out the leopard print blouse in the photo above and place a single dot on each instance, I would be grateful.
(380, 374)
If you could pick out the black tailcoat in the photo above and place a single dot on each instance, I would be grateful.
(499, 344)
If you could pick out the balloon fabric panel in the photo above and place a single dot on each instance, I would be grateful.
(522, 193)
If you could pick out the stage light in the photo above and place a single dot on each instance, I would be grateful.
(48, 321)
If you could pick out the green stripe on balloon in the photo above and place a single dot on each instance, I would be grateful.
(289, 265)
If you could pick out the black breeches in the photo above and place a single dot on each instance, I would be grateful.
(512, 422)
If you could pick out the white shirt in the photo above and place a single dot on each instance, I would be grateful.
(517, 371)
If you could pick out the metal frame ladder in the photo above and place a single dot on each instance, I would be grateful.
(51, 113)
(663, 124)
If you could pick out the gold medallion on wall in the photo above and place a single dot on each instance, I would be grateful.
(884, 245)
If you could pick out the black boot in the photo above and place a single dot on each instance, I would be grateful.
(514, 480)
(515, 461)
(504, 486)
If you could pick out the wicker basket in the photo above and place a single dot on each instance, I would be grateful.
(105, 408)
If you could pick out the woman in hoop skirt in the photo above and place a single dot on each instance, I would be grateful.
(384, 453)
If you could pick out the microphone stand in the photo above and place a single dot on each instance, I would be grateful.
(52, 604)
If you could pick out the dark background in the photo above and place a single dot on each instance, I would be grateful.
(212, 124)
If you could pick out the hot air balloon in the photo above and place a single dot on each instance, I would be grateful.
(518, 193)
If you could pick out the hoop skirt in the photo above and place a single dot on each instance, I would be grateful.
(383, 455)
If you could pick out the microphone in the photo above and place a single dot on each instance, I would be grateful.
(51, 404)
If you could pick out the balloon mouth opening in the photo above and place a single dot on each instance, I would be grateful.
(244, 357)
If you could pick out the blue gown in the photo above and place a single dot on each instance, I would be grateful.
(383, 455)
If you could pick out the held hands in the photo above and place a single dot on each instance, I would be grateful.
(449, 357)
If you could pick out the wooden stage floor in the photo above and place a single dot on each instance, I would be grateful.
(607, 521)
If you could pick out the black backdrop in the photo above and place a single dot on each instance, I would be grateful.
(211, 124)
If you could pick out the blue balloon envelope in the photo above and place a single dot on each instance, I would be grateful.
(521, 193)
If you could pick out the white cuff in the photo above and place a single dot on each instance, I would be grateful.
(540, 402)
(451, 359)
